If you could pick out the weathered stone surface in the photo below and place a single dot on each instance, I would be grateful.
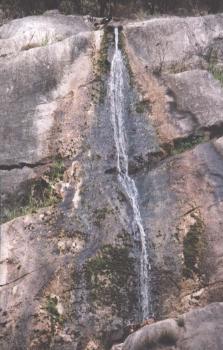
(37, 31)
(173, 43)
(185, 191)
(184, 100)
(79, 257)
(44, 97)
(69, 272)
(195, 103)
(198, 329)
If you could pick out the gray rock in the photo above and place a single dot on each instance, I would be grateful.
(185, 99)
(162, 43)
(37, 31)
(198, 329)
(40, 87)
(69, 273)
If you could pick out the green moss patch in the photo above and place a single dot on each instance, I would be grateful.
(193, 248)
(188, 143)
(103, 65)
(110, 275)
(100, 215)
(142, 107)
(122, 47)
(101, 68)
(52, 309)
(217, 72)
(213, 67)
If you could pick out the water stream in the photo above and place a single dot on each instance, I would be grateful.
(117, 101)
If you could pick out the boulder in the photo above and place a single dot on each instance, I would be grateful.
(198, 329)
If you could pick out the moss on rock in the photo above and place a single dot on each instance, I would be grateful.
(193, 247)
(110, 278)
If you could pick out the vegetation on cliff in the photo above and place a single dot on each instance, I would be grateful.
(102, 8)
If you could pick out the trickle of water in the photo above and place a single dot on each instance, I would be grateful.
(117, 102)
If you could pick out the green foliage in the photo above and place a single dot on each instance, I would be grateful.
(122, 47)
(103, 65)
(217, 72)
(193, 248)
(142, 106)
(45, 41)
(40, 194)
(52, 309)
(56, 171)
(109, 277)
(183, 145)
(101, 68)
(214, 68)
(100, 215)
(19, 8)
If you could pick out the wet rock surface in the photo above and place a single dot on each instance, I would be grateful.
(69, 262)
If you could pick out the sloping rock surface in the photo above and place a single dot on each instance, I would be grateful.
(41, 88)
(69, 262)
(198, 329)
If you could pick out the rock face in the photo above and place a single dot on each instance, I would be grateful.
(199, 329)
(69, 262)
(42, 83)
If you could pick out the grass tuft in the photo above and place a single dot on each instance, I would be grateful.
(40, 194)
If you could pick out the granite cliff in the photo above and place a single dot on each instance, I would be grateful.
(70, 245)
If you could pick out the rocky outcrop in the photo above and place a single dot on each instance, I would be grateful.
(69, 262)
(197, 329)
(43, 86)
(181, 53)
(184, 96)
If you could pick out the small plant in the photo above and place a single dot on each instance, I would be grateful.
(122, 47)
(217, 73)
(40, 196)
(213, 68)
(40, 193)
(56, 171)
(100, 215)
(180, 322)
(101, 68)
(193, 249)
(142, 106)
(45, 41)
(183, 145)
(52, 309)
(109, 276)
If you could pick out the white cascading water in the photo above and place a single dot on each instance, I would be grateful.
(117, 101)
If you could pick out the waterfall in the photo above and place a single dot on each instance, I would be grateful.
(117, 101)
